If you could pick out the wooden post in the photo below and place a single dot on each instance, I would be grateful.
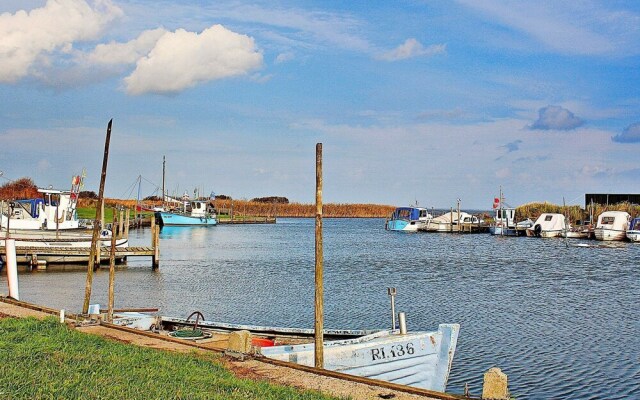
(156, 247)
(96, 227)
(102, 225)
(126, 223)
(451, 221)
(319, 305)
(121, 224)
(112, 269)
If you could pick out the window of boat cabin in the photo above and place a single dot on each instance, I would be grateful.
(607, 220)
(548, 218)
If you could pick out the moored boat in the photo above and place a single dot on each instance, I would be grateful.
(408, 219)
(452, 222)
(418, 359)
(547, 225)
(504, 221)
(612, 226)
(193, 213)
(633, 233)
(55, 210)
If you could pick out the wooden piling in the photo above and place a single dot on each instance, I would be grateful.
(126, 223)
(112, 269)
(319, 304)
(155, 242)
(120, 224)
(96, 226)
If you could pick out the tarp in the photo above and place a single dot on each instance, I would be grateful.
(550, 222)
(617, 220)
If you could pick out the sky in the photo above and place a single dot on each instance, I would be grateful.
(426, 102)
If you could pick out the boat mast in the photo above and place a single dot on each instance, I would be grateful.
(505, 224)
(163, 165)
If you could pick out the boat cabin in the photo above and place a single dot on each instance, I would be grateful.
(615, 220)
(410, 214)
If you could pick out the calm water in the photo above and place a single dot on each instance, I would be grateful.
(560, 322)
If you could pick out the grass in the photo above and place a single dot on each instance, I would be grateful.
(43, 359)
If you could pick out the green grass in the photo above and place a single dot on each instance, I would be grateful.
(43, 359)
(90, 213)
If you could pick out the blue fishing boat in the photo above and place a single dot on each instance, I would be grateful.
(408, 219)
(193, 213)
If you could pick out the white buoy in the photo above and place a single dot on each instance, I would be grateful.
(12, 268)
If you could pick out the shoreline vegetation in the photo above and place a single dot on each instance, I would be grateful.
(46, 359)
(280, 207)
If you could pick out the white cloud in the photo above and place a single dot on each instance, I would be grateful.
(26, 38)
(557, 118)
(182, 59)
(126, 53)
(412, 48)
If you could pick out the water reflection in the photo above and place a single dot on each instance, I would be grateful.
(560, 321)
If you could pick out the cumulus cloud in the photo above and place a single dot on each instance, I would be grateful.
(412, 48)
(27, 38)
(182, 59)
(125, 53)
(630, 134)
(556, 118)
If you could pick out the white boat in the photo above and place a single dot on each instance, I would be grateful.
(55, 210)
(451, 222)
(408, 219)
(633, 233)
(612, 225)
(418, 359)
(547, 225)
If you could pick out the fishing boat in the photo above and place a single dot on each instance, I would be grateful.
(418, 359)
(408, 219)
(193, 213)
(504, 221)
(612, 225)
(55, 210)
(547, 225)
(633, 233)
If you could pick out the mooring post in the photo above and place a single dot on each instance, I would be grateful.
(12, 268)
(126, 223)
(156, 248)
(121, 224)
(319, 307)
(112, 270)
(495, 385)
(96, 226)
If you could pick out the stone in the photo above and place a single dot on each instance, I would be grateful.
(240, 342)
(495, 385)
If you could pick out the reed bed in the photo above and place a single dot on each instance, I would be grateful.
(575, 213)
(43, 359)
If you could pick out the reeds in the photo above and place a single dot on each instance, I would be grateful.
(575, 213)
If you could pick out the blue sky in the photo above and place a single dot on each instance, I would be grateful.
(427, 101)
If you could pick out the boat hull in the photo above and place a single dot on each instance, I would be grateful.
(502, 231)
(172, 219)
(544, 234)
(633, 235)
(403, 225)
(420, 359)
(609, 234)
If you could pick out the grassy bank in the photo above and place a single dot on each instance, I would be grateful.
(48, 360)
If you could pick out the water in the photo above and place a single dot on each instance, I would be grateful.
(560, 322)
